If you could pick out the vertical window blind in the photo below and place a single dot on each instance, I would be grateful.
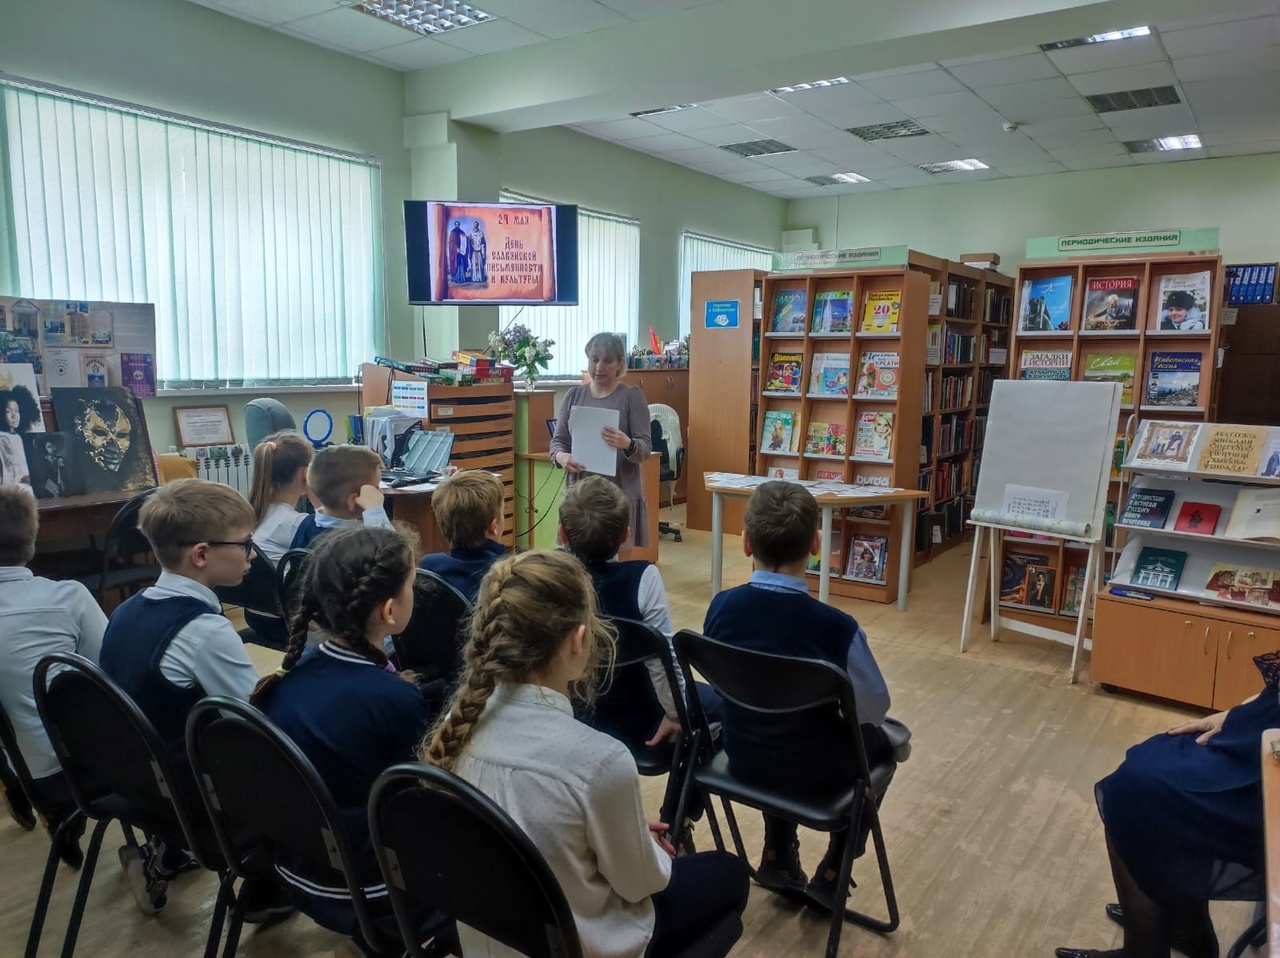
(608, 291)
(699, 253)
(263, 258)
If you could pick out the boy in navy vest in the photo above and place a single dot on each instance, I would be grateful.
(343, 482)
(170, 645)
(468, 507)
(774, 613)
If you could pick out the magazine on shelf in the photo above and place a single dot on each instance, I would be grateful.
(1046, 304)
(874, 438)
(1073, 586)
(788, 311)
(779, 431)
(878, 375)
(880, 315)
(1241, 583)
(1015, 564)
(1200, 518)
(784, 474)
(833, 560)
(867, 559)
(1183, 303)
(825, 439)
(785, 373)
(1173, 379)
(1045, 364)
(1164, 445)
(830, 374)
(1038, 587)
(1158, 568)
(1111, 368)
(832, 312)
(1110, 303)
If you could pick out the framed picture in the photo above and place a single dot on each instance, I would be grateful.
(203, 426)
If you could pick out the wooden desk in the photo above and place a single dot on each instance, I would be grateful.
(1271, 824)
(78, 517)
(829, 502)
(412, 504)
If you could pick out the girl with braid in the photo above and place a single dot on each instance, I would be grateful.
(536, 641)
(345, 707)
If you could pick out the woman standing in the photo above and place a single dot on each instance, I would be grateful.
(633, 439)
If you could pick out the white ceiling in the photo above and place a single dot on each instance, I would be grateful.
(1225, 66)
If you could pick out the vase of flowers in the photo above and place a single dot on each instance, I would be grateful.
(518, 346)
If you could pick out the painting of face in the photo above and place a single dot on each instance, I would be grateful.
(110, 451)
(106, 432)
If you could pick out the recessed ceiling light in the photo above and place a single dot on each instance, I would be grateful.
(424, 16)
(812, 85)
(1164, 143)
(665, 109)
(1134, 99)
(758, 148)
(954, 166)
(835, 179)
(888, 131)
(1098, 38)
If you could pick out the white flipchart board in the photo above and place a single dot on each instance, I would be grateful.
(1057, 437)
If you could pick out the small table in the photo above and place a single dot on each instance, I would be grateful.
(830, 499)
(412, 504)
(1271, 827)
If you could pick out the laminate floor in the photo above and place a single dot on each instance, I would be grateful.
(993, 836)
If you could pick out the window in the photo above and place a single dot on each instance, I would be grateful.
(263, 258)
(608, 291)
(700, 253)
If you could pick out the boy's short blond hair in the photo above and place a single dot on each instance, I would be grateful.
(19, 523)
(338, 471)
(780, 522)
(465, 504)
(595, 516)
(182, 513)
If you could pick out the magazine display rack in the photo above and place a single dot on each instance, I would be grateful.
(1195, 594)
(1148, 322)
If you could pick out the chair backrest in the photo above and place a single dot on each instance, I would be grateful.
(107, 747)
(124, 538)
(260, 789)
(262, 417)
(445, 844)
(670, 421)
(659, 440)
(289, 580)
(431, 644)
(638, 642)
(258, 591)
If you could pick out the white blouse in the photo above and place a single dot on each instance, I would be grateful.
(576, 793)
(275, 532)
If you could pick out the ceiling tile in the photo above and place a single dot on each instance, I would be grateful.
(985, 131)
(1098, 162)
(1031, 66)
(352, 30)
(682, 121)
(1037, 111)
(1007, 151)
(1227, 38)
(1062, 125)
(864, 114)
(1172, 120)
(556, 18)
(967, 176)
(628, 129)
(1169, 156)
(1223, 133)
(1218, 16)
(984, 119)
(922, 149)
(1053, 88)
(758, 106)
(1112, 55)
(1030, 169)
(845, 96)
(1125, 78)
(940, 104)
(1078, 139)
(1245, 149)
(1213, 66)
(859, 157)
(927, 82)
(666, 143)
(1254, 95)
(904, 178)
(895, 72)
(759, 174)
(805, 133)
(643, 9)
(729, 133)
(418, 54)
(801, 164)
(492, 36)
(275, 12)
(986, 57)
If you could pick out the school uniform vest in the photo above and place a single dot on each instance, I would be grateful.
(464, 568)
(306, 534)
(628, 709)
(137, 637)
(810, 749)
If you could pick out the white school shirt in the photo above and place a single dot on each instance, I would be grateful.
(655, 611)
(206, 651)
(275, 532)
(38, 617)
(374, 518)
(576, 793)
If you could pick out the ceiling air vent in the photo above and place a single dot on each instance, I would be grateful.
(1134, 99)
(758, 148)
(889, 131)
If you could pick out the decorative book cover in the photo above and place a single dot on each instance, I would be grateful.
(1198, 517)
(96, 371)
(878, 375)
(933, 345)
(833, 562)
(1013, 573)
(874, 438)
(832, 312)
(788, 311)
(1112, 368)
(785, 373)
(784, 474)
(1148, 508)
(1073, 587)
(1232, 450)
(1240, 583)
(1117, 456)
(830, 374)
(825, 439)
(1269, 461)
(880, 315)
(138, 374)
(779, 431)
(1045, 364)
(1165, 445)
(19, 397)
(1038, 587)
(1183, 302)
(49, 465)
(1111, 303)
(1173, 380)
(13, 461)
(1158, 568)
(110, 450)
(866, 559)
(1046, 304)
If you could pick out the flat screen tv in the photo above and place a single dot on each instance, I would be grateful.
(483, 253)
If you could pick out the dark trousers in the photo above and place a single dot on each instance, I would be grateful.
(705, 889)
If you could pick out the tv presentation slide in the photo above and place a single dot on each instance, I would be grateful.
(483, 252)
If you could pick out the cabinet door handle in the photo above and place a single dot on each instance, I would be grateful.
(1230, 636)
(1249, 634)
(1187, 623)
(1206, 640)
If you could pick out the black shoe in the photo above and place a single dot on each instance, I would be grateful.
(1088, 953)
(1116, 913)
(16, 801)
(783, 874)
(69, 848)
(265, 902)
(822, 890)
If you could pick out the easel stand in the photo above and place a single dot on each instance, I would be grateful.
(995, 534)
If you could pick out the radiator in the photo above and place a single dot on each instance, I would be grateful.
(230, 465)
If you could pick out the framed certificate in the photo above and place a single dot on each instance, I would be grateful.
(203, 425)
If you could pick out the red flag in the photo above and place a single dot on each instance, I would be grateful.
(653, 341)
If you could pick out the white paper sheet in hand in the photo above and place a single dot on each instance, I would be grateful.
(586, 426)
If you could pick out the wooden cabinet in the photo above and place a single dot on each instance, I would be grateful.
(1237, 677)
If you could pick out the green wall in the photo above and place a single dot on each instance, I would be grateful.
(1239, 194)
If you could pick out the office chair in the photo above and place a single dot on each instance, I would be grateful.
(667, 443)
(262, 417)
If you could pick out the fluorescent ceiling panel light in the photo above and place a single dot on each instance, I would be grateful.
(954, 166)
(758, 148)
(836, 179)
(888, 131)
(427, 17)
(1098, 38)
(665, 109)
(813, 85)
(1134, 99)
(1163, 144)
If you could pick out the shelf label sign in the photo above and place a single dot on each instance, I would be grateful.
(813, 259)
(1131, 241)
(721, 314)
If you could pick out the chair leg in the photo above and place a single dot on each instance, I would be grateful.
(82, 889)
(46, 883)
(733, 829)
(714, 822)
(1248, 939)
(235, 925)
(219, 920)
(886, 877)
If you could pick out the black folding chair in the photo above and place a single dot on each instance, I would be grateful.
(122, 570)
(289, 580)
(431, 644)
(117, 768)
(258, 594)
(234, 749)
(779, 685)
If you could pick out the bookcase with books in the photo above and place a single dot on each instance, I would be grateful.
(1147, 322)
(1195, 594)
(841, 398)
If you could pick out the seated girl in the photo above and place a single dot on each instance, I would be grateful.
(535, 643)
(279, 480)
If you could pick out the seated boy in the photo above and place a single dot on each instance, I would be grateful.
(169, 646)
(774, 613)
(468, 507)
(343, 482)
(38, 617)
